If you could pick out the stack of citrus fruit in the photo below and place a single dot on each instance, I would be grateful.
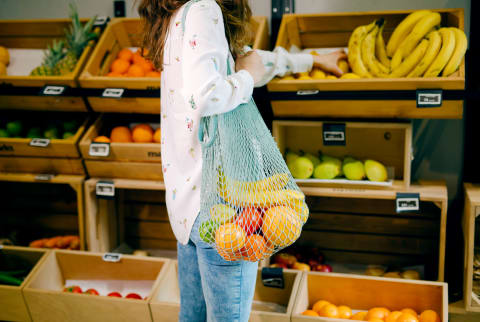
(326, 309)
(141, 133)
(132, 64)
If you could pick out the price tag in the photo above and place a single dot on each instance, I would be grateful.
(429, 98)
(44, 177)
(273, 277)
(40, 143)
(407, 202)
(53, 90)
(98, 149)
(112, 257)
(334, 134)
(105, 189)
(101, 21)
(113, 92)
(308, 92)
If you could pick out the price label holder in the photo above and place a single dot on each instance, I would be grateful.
(105, 189)
(334, 134)
(308, 92)
(273, 277)
(39, 143)
(112, 257)
(113, 92)
(407, 202)
(53, 90)
(101, 21)
(44, 177)
(429, 98)
(98, 149)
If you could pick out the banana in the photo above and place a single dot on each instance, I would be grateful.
(403, 29)
(448, 46)
(422, 28)
(432, 52)
(261, 198)
(381, 50)
(354, 50)
(273, 183)
(411, 61)
(368, 53)
(457, 57)
(396, 59)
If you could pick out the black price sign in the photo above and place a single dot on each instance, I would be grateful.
(40, 143)
(105, 189)
(113, 92)
(98, 149)
(429, 98)
(334, 134)
(407, 202)
(273, 277)
(112, 257)
(53, 90)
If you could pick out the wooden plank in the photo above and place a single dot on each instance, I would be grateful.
(132, 184)
(472, 201)
(41, 165)
(369, 258)
(145, 196)
(126, 105)
(127, 170)
(42, 103)
(143, 229)
(146, 212)
(40, 221)
(152, 243)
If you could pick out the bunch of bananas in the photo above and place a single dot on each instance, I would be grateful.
(418, 47)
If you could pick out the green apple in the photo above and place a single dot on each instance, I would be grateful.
(51, 133)
(301, 168)
(338, 162)
(327, 170)
(69, 126)
(68, 135)
(4, 133)
(315, 160)
(222, 214)
(348, 160)
(14, 128)
(290, 157)
(34, 133)
(354, 170)
(207, 231)
(375, 171)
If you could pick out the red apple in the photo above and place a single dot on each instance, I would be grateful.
(73, 289)
(323, 268)
(285, 259)
(133, 296)
(91, 291)
(250, 219)
(276, 265)
(114, 294)
(313, 263)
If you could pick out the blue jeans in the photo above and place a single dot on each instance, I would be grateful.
(212, 289)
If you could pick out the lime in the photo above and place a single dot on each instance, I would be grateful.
(207, 231)
(51, 133)
(67, 135)
(3, 133)
(14, 128)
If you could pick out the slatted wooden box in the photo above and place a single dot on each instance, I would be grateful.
(125, 160)
(388, 143)
(47, 301)
(363, 293)
(38, 34)
(12, 303)
(333, 30)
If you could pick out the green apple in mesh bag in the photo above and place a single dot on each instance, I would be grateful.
(301, 168)
(353, 169)
(375, 171)
(207, 231)
(222, 214)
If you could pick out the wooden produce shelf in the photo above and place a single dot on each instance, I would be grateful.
(12, 302)
(26, 92)
(388, 143)
(363, 293)
(471, 233)
(359, 98)
(38, 207)
(126, 160)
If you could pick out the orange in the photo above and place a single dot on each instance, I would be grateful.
(230, 237)
(317, 306)
(143, 52)
(135, 71)
(125, 54)
(142, 133)
(157, 135)
(119, 66)
(412, 312)
(146, 65)
(406, 317)
(329, 311)
(344, 312)
(359, 316)
(429, 316)
(137, 58)
(153, 74)
(375, 320)
(114, 74)
(102, 139)
(393, 316)
(121, 134)
(229, 256)
(281, 226)
(310, 313)
(377, 312)
(254, 249)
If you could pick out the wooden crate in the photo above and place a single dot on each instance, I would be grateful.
(47, 302)
(56, 166)
(334, 30)
(471, 233)
(37, 209)
(12, 303)
(388, 143)
(38, 34)
(127, 32)
(363, 293)
(126, 160)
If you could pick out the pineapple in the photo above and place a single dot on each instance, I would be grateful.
(53, 55)
(77, 37)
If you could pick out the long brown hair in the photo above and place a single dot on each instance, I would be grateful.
(157, 15)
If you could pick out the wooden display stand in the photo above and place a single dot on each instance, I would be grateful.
(388, 143)
(364, 293)
(471, 226)
(334, 30)
(12, 303)
(43, 208)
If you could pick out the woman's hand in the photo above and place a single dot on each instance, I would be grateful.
(252, 63)
(329, 62)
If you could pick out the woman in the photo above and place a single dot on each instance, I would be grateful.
(191, 41)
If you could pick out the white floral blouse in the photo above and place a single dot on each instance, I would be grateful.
(194, 84)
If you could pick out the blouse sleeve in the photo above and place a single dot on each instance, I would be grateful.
(205, 52)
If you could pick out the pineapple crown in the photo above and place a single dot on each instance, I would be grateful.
(77, 35)
(54, 53)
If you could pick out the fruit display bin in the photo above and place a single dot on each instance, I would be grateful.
(47, 301)
(139, 94)
(363, 293)
(18, 89)
(471, 232)
(390, 97)
(388, 143)
(124, 160)
(29, 212)
(269, 304)
(12, 302)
